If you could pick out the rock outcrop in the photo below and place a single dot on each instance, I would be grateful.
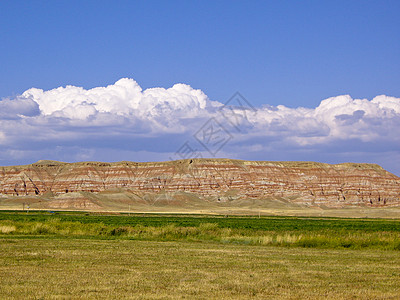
(219, 180)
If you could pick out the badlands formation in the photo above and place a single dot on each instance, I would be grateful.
(197, 183)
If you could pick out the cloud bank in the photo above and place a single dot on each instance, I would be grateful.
(124, 122)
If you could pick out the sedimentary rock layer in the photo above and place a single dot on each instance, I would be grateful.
(218, 180)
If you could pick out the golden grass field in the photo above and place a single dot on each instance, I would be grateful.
(82, 255)
(121, 269)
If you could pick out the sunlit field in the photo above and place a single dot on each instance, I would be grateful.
(79, 255)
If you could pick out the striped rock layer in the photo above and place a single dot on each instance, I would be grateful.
(308, 183)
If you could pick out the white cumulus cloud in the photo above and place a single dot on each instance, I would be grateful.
(124, 98)
(124, 118)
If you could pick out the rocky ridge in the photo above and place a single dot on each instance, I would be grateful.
(215, 180)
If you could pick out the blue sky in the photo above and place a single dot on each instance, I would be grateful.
(290, 53)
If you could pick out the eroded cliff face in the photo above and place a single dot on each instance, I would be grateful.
(219, 180)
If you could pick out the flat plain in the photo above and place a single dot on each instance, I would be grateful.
(70, 255)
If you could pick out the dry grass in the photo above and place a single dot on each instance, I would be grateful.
(322, 238)
(7, 228)
(73, 269)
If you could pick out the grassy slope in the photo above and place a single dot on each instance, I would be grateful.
(76, 268)
(127, 202)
